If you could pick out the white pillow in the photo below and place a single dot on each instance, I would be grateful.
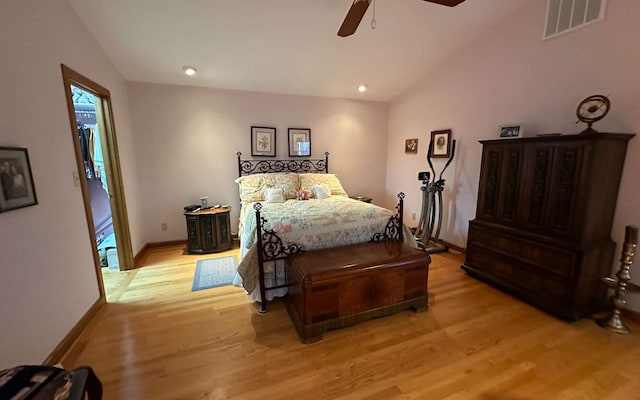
(321, 191)
(274, 195)
(252, 186)
(308, 180)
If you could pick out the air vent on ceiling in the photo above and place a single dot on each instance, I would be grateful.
(567, 15)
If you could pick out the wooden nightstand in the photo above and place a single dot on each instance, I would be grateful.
(208, 231)
(362, 198)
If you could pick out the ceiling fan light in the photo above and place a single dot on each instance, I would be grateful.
(362, 88)
(189, 71)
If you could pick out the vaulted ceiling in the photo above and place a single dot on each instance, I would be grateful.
(285, 46)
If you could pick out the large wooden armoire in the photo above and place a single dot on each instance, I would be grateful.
(543, 220)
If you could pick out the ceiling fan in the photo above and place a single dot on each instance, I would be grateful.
(359, 7)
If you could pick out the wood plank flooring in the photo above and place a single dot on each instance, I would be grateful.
(158, 340)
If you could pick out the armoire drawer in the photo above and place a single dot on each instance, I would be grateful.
(520, 275)
(551, 259)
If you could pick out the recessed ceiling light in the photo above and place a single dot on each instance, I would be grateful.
(190, 71)
(362, 88)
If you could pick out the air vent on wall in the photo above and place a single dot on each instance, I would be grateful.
(567, 15)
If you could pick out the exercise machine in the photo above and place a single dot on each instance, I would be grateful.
(427, 232)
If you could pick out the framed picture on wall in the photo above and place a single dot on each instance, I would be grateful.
(510, 131)
(299, 142)
(16, 183)
(440, 145)
(411, 146)
(263, 141)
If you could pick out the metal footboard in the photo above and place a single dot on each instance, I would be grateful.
(272, 248)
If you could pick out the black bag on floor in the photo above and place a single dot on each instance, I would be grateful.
(39, 382)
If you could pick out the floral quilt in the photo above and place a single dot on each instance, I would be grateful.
(314, 224)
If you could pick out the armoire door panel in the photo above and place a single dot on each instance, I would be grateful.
(533, 201)
(490, 183)
(510, 183)
(563, 189)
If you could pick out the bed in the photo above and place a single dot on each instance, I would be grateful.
(290, 206)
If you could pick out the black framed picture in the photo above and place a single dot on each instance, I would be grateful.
(440, 145)
(263, 141)
(16, 182)
(299, 142)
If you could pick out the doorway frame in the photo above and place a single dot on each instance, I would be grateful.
(117, 201)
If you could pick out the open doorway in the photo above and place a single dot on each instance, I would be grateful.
(98, 175)
(89, 136)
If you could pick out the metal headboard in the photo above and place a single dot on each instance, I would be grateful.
(249, 167)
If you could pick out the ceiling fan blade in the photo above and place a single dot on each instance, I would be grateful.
(448, 3)
(353, 18)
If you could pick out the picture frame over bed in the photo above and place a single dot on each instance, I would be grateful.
(299, 142)
(263, 141)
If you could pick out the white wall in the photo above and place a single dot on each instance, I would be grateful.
(47, 277)
(510, 75)
(187, 139)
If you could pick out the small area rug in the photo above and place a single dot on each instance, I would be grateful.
(214, 272)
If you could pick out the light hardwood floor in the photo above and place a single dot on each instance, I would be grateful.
(158, 340)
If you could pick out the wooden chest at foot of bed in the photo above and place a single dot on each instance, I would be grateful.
(333, 288)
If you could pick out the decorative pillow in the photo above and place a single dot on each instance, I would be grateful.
(289, 182)
(274, 195)
(308, 180)
(321, 191)
(303, 195)
(252, 187)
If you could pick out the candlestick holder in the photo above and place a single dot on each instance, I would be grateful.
(613, 322)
